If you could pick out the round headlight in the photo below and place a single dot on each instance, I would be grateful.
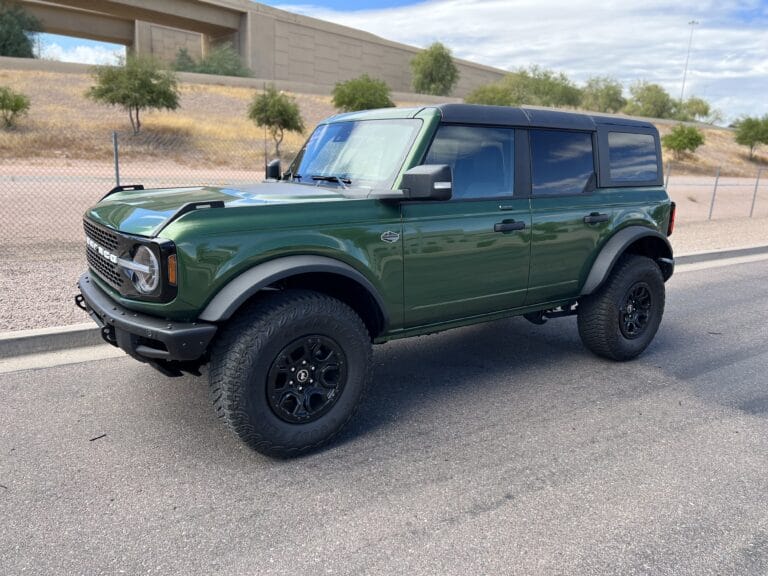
(148, 277)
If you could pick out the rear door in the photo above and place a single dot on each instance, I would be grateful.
(470, 255)
(571, 217)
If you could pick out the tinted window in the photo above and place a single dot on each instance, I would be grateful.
(632, 157)
(562, 162)
(482, 159)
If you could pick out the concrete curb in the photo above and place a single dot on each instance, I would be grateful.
(695, 257)
(24, 342)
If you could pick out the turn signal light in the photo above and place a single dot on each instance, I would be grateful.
(172, 269)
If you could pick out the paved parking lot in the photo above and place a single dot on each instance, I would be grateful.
(498, 449)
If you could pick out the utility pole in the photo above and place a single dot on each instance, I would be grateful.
(692, 24)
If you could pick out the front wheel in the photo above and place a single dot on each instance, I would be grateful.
(289, 372)
(620, 320)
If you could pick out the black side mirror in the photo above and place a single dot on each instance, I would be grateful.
(273, 170)
(428, 182)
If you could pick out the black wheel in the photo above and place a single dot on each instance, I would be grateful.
(288, 373)
(622, 317)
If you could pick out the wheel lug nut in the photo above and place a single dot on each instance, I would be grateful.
(290, 382)
(311, 381)
(293, 369)
(311, 367)
(303, 362)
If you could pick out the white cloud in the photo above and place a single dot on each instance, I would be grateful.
(82, 54)
(630, 41)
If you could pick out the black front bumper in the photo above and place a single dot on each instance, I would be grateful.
(146, 338)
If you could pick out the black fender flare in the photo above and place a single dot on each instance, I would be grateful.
(242, 287)
(616, 246)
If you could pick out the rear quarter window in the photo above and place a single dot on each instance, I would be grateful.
(632, 157)
(629, 156)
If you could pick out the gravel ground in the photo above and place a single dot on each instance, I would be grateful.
(37, 280)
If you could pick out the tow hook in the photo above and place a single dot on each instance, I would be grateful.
(80, 303)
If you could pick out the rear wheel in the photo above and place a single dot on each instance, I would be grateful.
(289, 372)
(620, 320)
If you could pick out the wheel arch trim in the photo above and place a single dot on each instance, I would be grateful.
(242, 287)
(616, 246)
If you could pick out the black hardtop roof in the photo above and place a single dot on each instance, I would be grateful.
(531, 117)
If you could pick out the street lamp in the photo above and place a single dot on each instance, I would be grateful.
(692, 24)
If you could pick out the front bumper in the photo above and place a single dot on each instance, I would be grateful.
(146, 338)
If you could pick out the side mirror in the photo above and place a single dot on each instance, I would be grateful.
(428, 182)
(273, 170)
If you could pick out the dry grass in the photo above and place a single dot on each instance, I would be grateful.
(64, 123)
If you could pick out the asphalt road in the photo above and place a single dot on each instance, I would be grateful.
(498, 449)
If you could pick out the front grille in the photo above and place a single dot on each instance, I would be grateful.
(100, 236)
(106, 270)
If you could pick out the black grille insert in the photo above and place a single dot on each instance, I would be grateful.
(100, 236)
(108, 271)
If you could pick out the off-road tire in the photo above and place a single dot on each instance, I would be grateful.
(252, 344)
(605, 325)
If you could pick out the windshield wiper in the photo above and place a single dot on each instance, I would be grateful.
(331, 178)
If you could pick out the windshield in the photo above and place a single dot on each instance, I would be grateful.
(365, 153)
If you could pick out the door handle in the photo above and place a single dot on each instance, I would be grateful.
(596, 217)
(508, 226)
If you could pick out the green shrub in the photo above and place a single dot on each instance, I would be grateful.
(138, 84)
(433, 71)
(278, 112)
(362, 93)
(534, 86)
(683, 139)
(222, 60)
(12, 105)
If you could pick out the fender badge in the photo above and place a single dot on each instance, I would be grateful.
(390, 237)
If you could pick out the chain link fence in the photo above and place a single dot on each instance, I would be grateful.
(48, 181)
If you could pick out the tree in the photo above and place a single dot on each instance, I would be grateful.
(362, 93)
(222, 60)
(693, 109)
(602, 94)
(752, 132)
(683, 139)
(534, 86)
(138, 84)
(278, 112)
(650, 100)
(434, 71)
(492, 94)
(12, 105)
(17, 31)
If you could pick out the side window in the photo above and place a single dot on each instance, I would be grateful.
(482, 159)
(562, 162)
(632, 157)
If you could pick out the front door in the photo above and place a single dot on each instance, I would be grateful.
(470, 255)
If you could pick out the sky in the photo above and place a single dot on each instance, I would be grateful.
(629, 41)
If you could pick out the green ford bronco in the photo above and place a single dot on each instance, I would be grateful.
(388, 224)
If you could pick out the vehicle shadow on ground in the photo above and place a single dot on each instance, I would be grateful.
(412, 373)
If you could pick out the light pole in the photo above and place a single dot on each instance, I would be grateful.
(692, 24)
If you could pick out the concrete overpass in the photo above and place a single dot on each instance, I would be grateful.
(274, 44)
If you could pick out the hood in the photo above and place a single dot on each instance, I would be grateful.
(141, 212)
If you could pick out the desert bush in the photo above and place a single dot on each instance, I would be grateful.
(683, 139)
(362, 93)
(12, 105)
